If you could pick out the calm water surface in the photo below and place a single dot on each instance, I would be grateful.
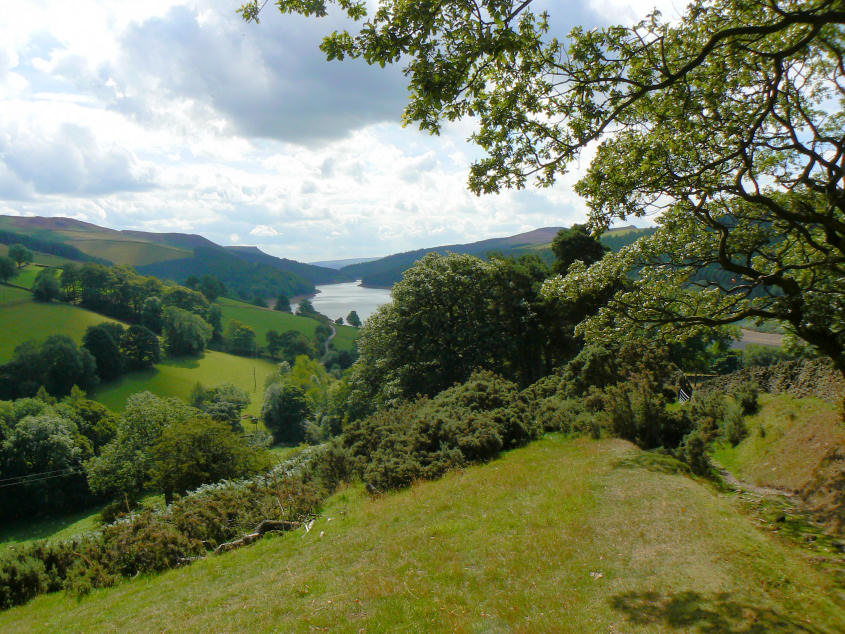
(337, 300)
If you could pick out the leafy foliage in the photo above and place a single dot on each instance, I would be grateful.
(124, 465)
(225, 403)
(573, 244)
(155, 540)
(454, 314)
(423, 439)
(199, 451)
(240, 338)
(43, 445)
(353, 320)
(57, 364)
(7, 268)
(284, 412)
(45, 288)
(184, 332)
(20, 254)
(727, 123)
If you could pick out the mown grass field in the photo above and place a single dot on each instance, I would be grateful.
(22, 319)
(574, 536)
(177, 377)
(263, 319)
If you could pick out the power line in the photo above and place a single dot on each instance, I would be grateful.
(25, 482)
(40, 473)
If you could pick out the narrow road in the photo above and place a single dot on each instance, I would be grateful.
(331, 336)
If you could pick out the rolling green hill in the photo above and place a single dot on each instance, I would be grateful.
(263, 319)
(563, 535)
(22, 318)
(177, 377)
(174, 256)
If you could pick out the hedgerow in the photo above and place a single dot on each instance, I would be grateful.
(155, 540)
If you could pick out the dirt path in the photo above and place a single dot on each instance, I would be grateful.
(734, 482)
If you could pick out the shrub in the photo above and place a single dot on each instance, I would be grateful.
(284, 412)
(747, 394)
(568, 415)
(467, 423)
(694, 451)
(155, 540)
(733, 424)
(22, 577)
(636, 411)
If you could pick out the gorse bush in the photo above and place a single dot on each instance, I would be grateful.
(747, 394)
(155, 540)
(423, 439)
(567, 415)
(638, 411)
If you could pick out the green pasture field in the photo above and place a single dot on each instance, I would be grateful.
(26, 276)
(263, 319)
(563, 535)
(129, 252)
(40, 258)
(177, 377)
(345, 337)
(23, 319)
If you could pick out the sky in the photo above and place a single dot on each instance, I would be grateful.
(175, 115)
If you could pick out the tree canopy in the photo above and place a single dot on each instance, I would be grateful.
(20, 254)
(727, 124)
(7, 268)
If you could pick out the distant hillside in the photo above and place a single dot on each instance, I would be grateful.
(49, 247)
(311, 272)
(246, 271)
(240, 276)
(386, 271)
(339, 264)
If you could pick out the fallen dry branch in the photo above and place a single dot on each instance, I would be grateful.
(264, 527)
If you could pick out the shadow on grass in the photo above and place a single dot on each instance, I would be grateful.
(691, 611)
(41, 527)
(132, 377)
(656, 461)
(183, 362)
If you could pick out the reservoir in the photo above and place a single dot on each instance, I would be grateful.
(337, 300)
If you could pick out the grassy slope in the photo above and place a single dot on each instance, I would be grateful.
(799, 435)
(25, 276)
(560, 536)
(62, 527)
(263, 319)
(177, 377)
(22, 318)
(129, 252)
(39, 258)
(345, 337)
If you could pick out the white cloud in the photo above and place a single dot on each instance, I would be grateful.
(264, 231)
(173, 115)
